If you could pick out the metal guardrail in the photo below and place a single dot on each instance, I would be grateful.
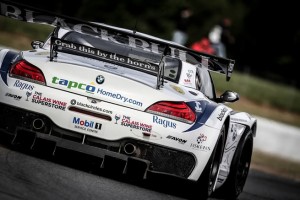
(277, 138)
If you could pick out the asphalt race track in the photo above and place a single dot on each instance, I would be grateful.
(27, 176)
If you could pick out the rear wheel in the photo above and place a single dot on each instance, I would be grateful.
(239, 169)
(208, 178)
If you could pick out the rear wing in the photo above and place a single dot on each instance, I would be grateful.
(134, 39)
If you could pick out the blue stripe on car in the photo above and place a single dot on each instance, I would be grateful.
(202, 115)
(10, 55)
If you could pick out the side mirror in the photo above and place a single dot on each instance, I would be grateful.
(228, 96)
(37, 44)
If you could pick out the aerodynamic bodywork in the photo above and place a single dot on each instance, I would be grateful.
(128, 99)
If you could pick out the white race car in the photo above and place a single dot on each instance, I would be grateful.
(138, 104)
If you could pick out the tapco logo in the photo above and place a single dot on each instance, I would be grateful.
(73, 84)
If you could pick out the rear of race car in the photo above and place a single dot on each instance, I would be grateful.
(65, 105)
(76, 95)
(134, 103)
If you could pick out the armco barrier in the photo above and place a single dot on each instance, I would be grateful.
(279, 139)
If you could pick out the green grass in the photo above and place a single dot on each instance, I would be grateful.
(261, 97)
(29, 29)
(261, 91)
(12, 31)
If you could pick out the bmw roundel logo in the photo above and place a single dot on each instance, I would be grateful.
(100, 79)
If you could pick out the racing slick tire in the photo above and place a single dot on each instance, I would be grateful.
(206, 183)
(239, 169)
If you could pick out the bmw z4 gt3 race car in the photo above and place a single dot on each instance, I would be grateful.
(137, 103)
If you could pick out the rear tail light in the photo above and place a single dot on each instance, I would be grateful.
(26, 71)
(175, 110)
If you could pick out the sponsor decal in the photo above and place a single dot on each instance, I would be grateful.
(178, 89)
(120, 97)
(189, 75)
(126, 121)
(14, 96)
(233, 131)
(100, 79)
(93, 107)
(90, 88)
(23, 86)
(180, 141)
(86, 125)
(105, 55)
(117, 118)
(222, 114)
(38, 98)
(74, 84)
(164, 122)
(28, 94)
(202, 117)
(201, 138)
(199, 145)
(187, 81)
(198, 107)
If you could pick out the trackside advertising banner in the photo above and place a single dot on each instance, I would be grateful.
(150, 44)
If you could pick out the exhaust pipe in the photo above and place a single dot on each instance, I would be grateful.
(38, 124)
(129, 148)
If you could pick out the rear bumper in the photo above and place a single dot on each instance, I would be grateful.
(127, 156)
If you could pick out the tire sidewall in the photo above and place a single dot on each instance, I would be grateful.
(202, 189)
(230, 189)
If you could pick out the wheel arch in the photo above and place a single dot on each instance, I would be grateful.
(254, 129)
(227, 124)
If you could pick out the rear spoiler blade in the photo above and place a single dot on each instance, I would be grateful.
(59, 45)
(33, 15)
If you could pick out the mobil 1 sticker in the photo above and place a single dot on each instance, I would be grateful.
(86, 125)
